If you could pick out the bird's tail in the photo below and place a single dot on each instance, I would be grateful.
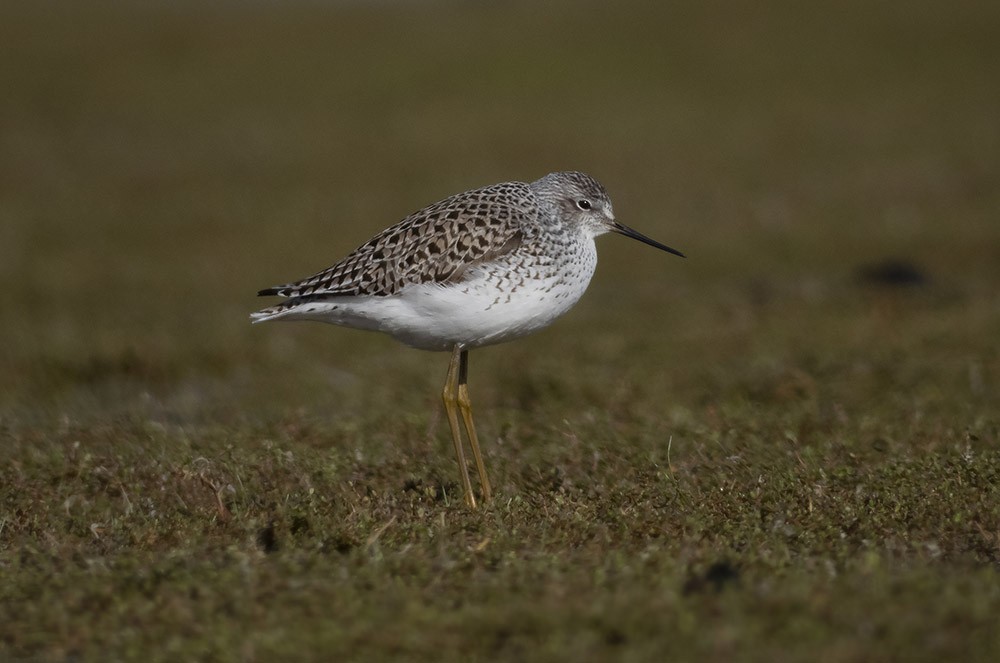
(318, 306)
(270, 313)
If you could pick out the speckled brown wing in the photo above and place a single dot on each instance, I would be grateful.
(436, 244)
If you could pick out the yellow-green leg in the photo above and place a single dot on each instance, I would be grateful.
(450, 398)
(465, 407)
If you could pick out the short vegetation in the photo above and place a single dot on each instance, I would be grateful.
(784, 448)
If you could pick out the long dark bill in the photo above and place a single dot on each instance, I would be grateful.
(628, 232)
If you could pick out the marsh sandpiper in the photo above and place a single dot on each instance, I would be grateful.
(478, 268)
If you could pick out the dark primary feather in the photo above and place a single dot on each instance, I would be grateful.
(436, 244)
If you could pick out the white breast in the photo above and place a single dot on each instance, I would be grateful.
(495, 302)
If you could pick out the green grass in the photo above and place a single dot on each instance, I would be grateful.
(756, 453)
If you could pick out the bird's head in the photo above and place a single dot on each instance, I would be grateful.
(580, 200)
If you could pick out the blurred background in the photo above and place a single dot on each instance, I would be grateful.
(830, 169)
(783, 445)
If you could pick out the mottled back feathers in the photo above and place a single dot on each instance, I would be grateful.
(436, 244)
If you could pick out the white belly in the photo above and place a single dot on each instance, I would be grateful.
(493, 304)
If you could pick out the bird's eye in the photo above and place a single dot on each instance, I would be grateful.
(583, 204)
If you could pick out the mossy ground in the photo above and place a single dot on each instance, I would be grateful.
(781, 448)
